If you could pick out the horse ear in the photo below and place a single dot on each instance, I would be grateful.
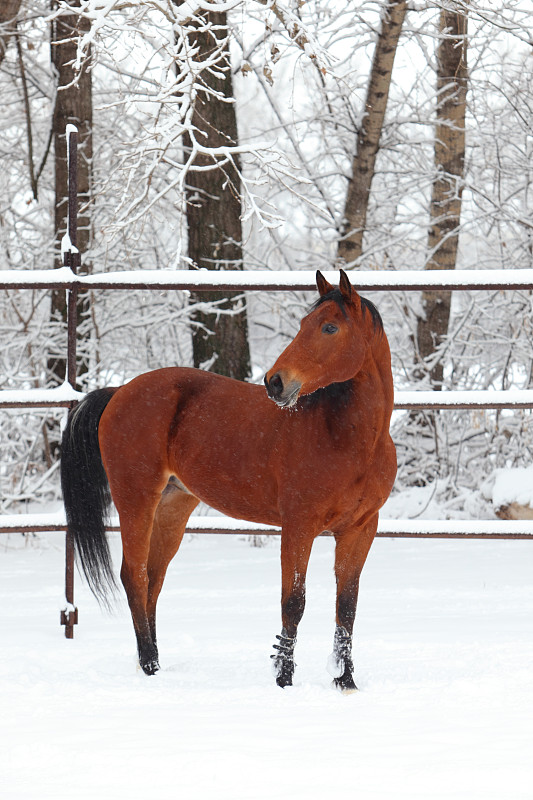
(322, 284)
(346, 287)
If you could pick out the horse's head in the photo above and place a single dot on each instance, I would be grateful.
(330, 346)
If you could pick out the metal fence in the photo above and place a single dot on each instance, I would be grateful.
(67, 278)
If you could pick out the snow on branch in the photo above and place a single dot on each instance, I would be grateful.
(155, 166)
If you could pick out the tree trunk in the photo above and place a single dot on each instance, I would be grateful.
(445, 212)
(220, 337)
(73, 106)
(351, 244)
(8, 25)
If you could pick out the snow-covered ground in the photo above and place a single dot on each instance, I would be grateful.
(444, 657)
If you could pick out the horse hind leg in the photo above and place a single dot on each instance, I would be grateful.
(136, 529)
(171, 516)
(136, 495)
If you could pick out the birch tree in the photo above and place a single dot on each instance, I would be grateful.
(368, 136)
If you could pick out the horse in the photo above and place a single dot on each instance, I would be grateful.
(311, 454)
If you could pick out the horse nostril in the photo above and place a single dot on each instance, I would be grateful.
(274, 385)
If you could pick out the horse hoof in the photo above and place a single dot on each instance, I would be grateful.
(346, 689)
(150, 668)
(346, 684)
(284, 680)
(283, 672)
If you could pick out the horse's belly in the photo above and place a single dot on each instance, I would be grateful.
(229, 487)
(239, 502)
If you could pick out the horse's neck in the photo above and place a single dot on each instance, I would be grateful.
(374, 379)
(369, 389)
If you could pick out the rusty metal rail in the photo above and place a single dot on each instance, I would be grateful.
(388, 528)
(270, 281)
(66, 396)
(403, 401)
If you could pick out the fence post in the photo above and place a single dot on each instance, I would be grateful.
(71, 258)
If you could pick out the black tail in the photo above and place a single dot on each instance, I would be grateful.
(86, 492)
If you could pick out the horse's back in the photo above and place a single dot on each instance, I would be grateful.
(210, 431)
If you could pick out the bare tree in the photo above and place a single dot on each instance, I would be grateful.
(8, 23)
(214, 209)
(368, 136)
(73, 105)
(445, 210)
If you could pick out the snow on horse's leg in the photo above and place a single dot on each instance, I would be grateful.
(340, 663)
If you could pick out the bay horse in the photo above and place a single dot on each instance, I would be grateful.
(312, 453)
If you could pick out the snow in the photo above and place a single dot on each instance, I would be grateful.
(50, 520)
(443, 653)
(67, 246)
(279, 279)
(190, 8)
(63, 276)
(512, 486)
(467, 399)
(457, 527)
(59, 394)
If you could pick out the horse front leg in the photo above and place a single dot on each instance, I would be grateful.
(295, 552)
(351, 550)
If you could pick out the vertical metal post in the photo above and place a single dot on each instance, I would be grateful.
(71, 258)
(71, 255)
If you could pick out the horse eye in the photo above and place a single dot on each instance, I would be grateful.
(329, 328)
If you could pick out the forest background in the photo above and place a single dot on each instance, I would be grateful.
(271, 135)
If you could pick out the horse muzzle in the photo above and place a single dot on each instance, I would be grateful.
(285, 394)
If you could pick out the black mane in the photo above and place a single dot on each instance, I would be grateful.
(337, 297)
(368, 305)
